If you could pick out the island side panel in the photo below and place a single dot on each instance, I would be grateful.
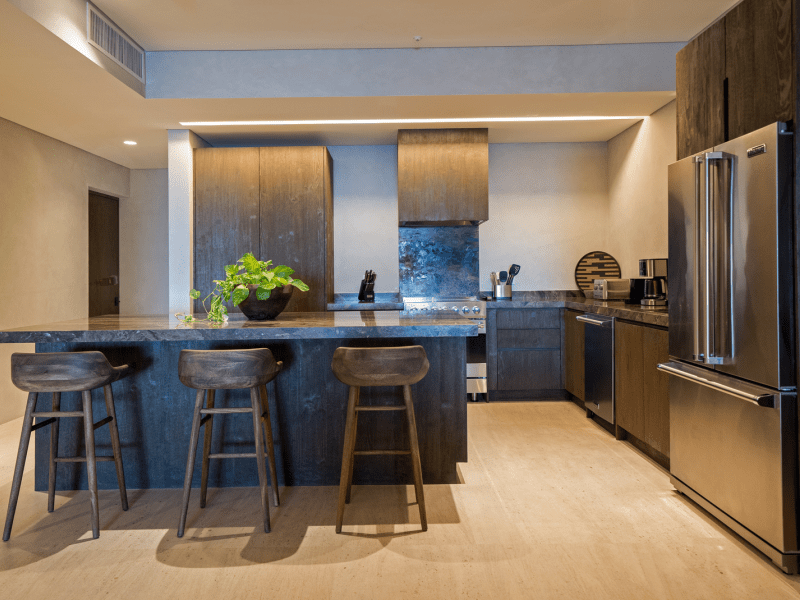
(307, 406)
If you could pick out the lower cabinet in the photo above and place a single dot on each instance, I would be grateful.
(642, 391)
(573, 354)
(524, 353)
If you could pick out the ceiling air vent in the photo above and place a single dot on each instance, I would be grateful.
(103, 34)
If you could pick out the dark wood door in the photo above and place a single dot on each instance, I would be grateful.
(296, 205)
(226, 213)
(700, 87)
(103, 255)
(629, 378)
(656, 389)
(759, 65)
(442, 175)
(574, 343)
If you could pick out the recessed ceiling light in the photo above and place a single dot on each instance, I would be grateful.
(129, 143)
(408, 121)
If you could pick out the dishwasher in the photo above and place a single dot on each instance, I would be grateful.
(599, 366)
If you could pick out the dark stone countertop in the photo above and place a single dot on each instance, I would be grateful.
(166, 328)
(383, 301)
(573, 301)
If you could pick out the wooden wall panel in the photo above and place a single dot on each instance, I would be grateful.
(226, 213)
(443, 175)
(759, 65)
(296, 208)
(699, 80)
(574, 343)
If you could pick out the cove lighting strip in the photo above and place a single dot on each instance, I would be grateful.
(405, 121)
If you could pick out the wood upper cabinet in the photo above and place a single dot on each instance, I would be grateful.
(274, 202)
(641, 390)
(296, 205)
(700, 86)
(574, 343)
(737, 76)
(759, 65)
(442, 176)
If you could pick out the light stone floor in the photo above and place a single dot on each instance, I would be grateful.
(551, 507)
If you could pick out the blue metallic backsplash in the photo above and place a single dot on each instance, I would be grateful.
(439, 261)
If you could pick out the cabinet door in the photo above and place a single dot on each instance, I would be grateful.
(574, 344)
(656, 389)
(226, 222)
(442, 175)
(628, 377)
(528, 369)
(759, 65)
(297, 220)
(699, 81)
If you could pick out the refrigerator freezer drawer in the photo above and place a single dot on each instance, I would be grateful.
(739, 456)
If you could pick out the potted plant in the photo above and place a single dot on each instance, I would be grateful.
(260, 292)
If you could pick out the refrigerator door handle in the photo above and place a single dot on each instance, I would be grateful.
(713, 239)
(765, 400)
(699, 207)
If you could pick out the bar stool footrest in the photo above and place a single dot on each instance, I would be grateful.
(231, 455)
(74, 459)
(378, 408)
(59, 414)
(380, 452)
(225, 411)
(102, 422)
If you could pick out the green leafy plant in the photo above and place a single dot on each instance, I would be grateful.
(248, 270)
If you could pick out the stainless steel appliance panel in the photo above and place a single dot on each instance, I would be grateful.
(599, 366)
(686, 188)
(759, 302)
(740, 456)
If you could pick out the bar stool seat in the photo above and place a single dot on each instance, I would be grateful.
(364, 367)
(211, 370)
(56, 373)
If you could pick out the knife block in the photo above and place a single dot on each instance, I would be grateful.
(367, 292)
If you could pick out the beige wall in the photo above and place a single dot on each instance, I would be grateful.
(44, 242)
(637, 174)
(548, 206)
(144, 245)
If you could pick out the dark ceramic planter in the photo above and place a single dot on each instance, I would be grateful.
(266, 310)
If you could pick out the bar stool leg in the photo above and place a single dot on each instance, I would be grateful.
(51, 482)
(255, 402)
(207, 431)
(267, 424)
(415, 461)
(116, 447)
(353, 461)
(22, 453)
(187, 482)
(347, 455)
(91, 462)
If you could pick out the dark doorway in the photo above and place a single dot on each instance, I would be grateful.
(103, 255)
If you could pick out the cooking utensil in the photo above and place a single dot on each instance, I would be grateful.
(512, 272)
(493, 277)
(503, 276)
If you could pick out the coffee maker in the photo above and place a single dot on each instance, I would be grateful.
(650, 288)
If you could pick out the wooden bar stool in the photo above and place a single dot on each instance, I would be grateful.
(363, 367)
(210, 370)
(58, 372)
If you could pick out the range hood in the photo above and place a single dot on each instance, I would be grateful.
(442, 177)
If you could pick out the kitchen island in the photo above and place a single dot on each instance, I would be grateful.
(307, 403)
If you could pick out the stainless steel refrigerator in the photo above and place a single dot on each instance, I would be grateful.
(733, 396)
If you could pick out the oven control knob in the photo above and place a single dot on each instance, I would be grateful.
(465, 310)
(454, 308)
(476, 309)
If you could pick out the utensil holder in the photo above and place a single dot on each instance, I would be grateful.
(502, 291)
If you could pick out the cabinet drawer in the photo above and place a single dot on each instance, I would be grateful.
(529, 338)
(531, 318)
(529, 370)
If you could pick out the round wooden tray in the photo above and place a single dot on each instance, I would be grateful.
(595, 265)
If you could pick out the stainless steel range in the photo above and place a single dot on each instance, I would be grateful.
(472, 309)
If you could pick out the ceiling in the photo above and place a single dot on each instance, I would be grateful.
(52, 88)
(293, 24)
